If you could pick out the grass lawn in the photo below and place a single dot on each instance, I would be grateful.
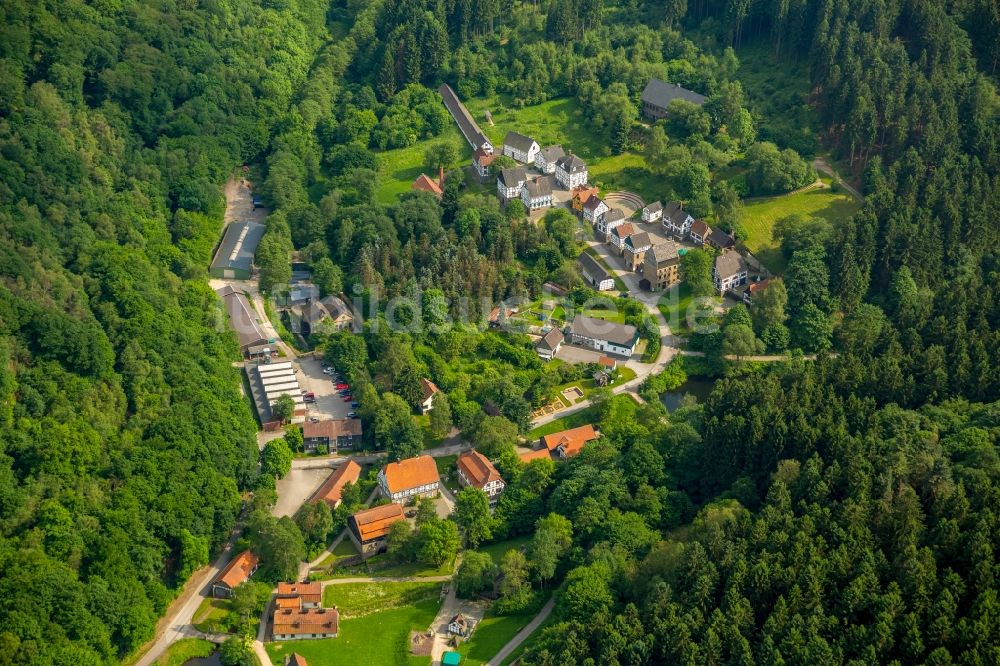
(424, 423)
(625, 374)
(357, 599)
(211, 614)
(498, 550)
(383, 566)
(398, 168)
(380, 638)
(449, 475)
(760, 216)
(344, 549)
(516, 654)
(185, 649)
(677, 305)
(490, 636)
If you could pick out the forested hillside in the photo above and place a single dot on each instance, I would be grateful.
(124, 442)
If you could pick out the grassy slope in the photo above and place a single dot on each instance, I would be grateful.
(183, 650)
(379, 638)
(762, 214)
(356, 599)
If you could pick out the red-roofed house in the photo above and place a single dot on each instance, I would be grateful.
(425, 183)
(369, 528)
(568, 443)
(295, 659)
(429, 391)
(307, 595)
(291, 624)
(406, 479)
(476, 470)
(332, 488)
(237, 572)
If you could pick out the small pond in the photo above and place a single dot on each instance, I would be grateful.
(211, 660)
(699, 387)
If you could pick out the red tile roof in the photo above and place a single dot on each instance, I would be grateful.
(477, 468)
(700, 228)
(537, 454)
(330, 491)
(306, 621)
(374, 523)
(571, 440)
(310, 593)
(425, 183)
(607, 362)
(428, 387)
(239, 569)
(410, 473)
(332, 428)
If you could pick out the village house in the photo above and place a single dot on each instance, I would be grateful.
(425, 183)
(653, 212)
(568, 443)
(604, 336)
(537, 193)
(498, 317)
(699, 232)
(331, 489)
(237, 572)
(326, 316)
(510, 181)
(332, 433)
(594, 210)
(466, 125)
(430, 391)
(461, 625)
(730, 271)
(521, 148)
(657, 96)
(369, 528)
(754, 290)
(243, 319)
(476, 471)
(548, 346)
(720, 240)
(619, 234)
(676, 220)
(607, 364)
(305, 623)
(594, 274)
(304, 595)
(481, 161)
(545, 159)
(581, 195)
(570, 172)
(408, 479)
(635, 249)
(661, 267)
(608, 222)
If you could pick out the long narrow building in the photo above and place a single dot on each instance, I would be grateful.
(466, 125)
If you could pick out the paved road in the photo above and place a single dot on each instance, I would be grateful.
(522, 635)
(177, 622)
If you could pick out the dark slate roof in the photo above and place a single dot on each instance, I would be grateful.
(675, 213)
(593, 202)
(539, 187)
(729, 264)
(571, 164)
(664, 253)
(638, 241)
(614, 215)
(721, 239)
(552, 153)
(242, 318)
(550, 340)
(653, 207)
(518, 141)
(592, 268)
(511, 176)
(661, 94)
(619, 334)
(470, 130)
(238, 245)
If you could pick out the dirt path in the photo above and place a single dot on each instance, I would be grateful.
(522, 635)
(820, 164)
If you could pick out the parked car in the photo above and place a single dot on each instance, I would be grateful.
(308, 401)
(327, 371)
(342, 385)
(314, 419)
(348, 398)
(352, 415)
(309, 394)
(355, 405)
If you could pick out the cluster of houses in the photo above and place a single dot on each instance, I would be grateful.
(299, 613)
(557, 170)
(598, 334)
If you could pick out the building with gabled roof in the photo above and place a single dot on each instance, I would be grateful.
(238, 571)
(548, 346)
(594, 210)
(604, 336)
(568, 443)
(466, 125)
(429, 391)
(545, 159)
(533, 454)
(729, 271)
(661, 266)
(295, 659)
(510, 181)
(425, 183)
(481, 160)
(234, 257)
(243, 319)
(699, 232)
(476, 471)
(290, 624)
(594, 274)
(537, 193)
(408, 479)
(676, 220)
(634, 249)
(369, 528)
(308, 594)
(520, 147)
(619, 234)
(652, 212)
(570, 171)
(755, 289)
(330, 491)
(332, 433)
(657, 96)
(607, 222)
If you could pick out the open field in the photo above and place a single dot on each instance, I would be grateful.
(357, 599)
(183, 650)
(492, 633)
(760, 216)
(398, 168)
(383, 566)
(379, 638)
(498, 550)
(211, 614)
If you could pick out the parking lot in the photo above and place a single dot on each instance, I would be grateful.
(329, 404)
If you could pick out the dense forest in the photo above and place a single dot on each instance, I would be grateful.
(831, 512)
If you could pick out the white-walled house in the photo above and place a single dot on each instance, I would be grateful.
(570, 172)
(406, 479)
(594, 274)
(476, 471)
(613, 218)
(510, 181)
(730, 271)
(676, 220)
(604, 336)
(594, 210)
(545, 160)
(537, 193)
(521, 148)
(653, 212)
